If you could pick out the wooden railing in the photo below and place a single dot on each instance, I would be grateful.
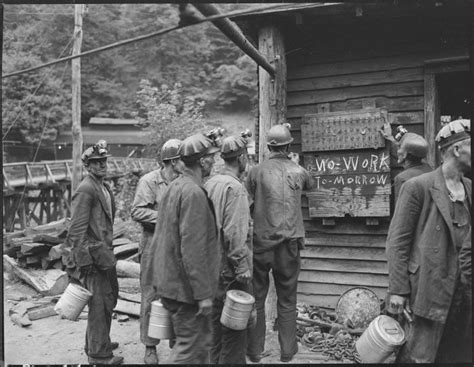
(34, 174)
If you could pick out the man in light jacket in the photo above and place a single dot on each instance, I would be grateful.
(431, 220)
(150, 189)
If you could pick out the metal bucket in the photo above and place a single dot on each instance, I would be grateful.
(380, 339)
(160, 326)
(237, 308)
(72, 301)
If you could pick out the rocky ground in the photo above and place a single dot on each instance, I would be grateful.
(53, 340)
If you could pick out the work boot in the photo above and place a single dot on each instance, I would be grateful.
(114, 345)
(150, 355)
(111, 360)
(287, 358)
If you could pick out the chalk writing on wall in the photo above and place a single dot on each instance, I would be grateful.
(349, 183)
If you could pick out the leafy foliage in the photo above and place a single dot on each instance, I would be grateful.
(208, 66)
(167, 113)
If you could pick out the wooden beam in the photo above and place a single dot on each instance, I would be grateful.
(233, 32)
(272, 91)
(431, 117)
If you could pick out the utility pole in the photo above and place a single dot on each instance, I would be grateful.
(76, 99)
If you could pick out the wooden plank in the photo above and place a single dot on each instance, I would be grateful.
(333, 289)
(126, 307)
(390, 104)
(34, 248)
(129, 285)
(349, 266)
(42, 312)
(318, 300)
(368, 280)
(47, 282)
(132, 297)
(341, 203)
(375, 64)
(120, 241)
(344, 226)
(355, 129)
(344, 253)
(128, 269)
(406, 118)
(431, 108)
(52, 238)
(358, 79)
(342, 94)
(126, 249)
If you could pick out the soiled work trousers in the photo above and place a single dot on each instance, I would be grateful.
(228, 346)
(284, 261)
(193, 333)
(436, 342)
(104, 288)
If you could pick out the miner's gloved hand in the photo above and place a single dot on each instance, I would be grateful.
(386, 131)
(396, 304)
(244, 278)
(205, 307)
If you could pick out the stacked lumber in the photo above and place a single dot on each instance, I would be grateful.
(41, 247)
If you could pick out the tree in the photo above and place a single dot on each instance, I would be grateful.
(166, 112)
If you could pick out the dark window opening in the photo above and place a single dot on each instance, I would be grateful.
(454, 96)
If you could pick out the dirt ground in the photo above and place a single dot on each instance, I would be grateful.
(53, 340)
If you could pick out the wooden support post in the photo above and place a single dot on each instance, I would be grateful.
(272, 111)
(431, 117)
(76, 98)
(272, 90)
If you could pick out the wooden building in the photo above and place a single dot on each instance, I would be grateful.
(342, 69)
(123, 136)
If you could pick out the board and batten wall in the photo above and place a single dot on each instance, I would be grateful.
(362, 65)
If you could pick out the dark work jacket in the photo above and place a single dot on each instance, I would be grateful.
(275, 186)
(406, 174)
(421, 253)
(90, 234)
(185, 255)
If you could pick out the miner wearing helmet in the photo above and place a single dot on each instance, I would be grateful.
(148, 195)
(275, 185)
(185, 256)
(231, 205)
(92, 262)
(430, 227)
(411, 150)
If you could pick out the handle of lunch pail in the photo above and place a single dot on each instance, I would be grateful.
(228, 285)
(392, 331)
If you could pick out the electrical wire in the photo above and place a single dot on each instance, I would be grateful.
(36, 90)
(150, 35)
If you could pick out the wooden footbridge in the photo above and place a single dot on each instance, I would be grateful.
(40, 192)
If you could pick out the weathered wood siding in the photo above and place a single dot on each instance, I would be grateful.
(337, 68)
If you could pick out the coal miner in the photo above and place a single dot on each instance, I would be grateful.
(185, 255)
(411, 150)
(231, 205)
(428, 231)
(275, 186)
(150, 189)
(92, 261)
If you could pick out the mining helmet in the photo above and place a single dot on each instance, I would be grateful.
(169, 150)
(453, 132)
(414, 144)
(97, 151)
(279, 135)
(196, 146)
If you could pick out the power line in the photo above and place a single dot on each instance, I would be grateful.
(147, 36)
(36, 90)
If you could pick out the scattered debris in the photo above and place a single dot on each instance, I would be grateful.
(132, 297)
(47, 282)
(129, 308)
(123, 318)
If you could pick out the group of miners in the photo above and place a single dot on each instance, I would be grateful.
(205, 235)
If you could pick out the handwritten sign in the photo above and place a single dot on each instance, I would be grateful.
(349, 183)
(329, 131)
